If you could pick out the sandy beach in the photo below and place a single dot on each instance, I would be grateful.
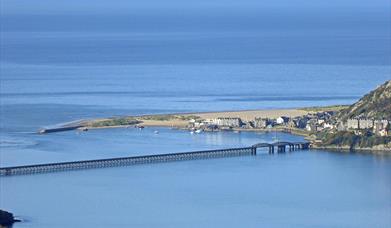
(181, 120)
(252, 114)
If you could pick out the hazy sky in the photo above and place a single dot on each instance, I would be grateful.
(104, 6)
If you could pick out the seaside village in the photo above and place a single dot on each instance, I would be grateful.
(310, 123)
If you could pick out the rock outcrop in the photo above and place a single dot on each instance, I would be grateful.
(7, 219)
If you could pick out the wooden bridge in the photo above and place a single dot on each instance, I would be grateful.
(134, 160)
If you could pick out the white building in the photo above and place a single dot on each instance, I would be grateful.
(228, 122)
(328, 125)
(366, 123)
(321, 121)
(383, 132)
(282, 120)
(353, 124)
(311, 127)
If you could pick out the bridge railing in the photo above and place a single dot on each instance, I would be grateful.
(124, 161)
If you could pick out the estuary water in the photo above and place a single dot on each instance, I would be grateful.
(56, 69)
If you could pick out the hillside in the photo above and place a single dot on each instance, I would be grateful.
(376, 105)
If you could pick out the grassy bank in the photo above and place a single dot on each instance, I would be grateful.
(325, 108)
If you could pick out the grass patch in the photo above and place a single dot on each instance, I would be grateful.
(115, 122)
(346, 138)
(169, 117)
(325, 108)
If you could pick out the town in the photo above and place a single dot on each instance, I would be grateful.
(307, 124)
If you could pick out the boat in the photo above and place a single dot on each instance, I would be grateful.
(156, 132)
(198, 131)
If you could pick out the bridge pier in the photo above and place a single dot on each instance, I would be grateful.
(281, 149)
(305, 146)
(271, 149)
(254, 151)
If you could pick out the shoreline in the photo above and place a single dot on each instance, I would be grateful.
(355, 150)
(246, 114)
(180, 121)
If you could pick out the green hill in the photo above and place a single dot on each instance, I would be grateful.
(374, 105)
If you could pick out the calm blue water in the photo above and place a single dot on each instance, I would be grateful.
(302, 189)
(59, 68)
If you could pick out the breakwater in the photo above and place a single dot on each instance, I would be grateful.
(68, 126)
(58, 129)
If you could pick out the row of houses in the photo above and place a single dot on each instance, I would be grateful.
(379, 127)
(360, 123)
(266, 122)
(313, 122)
(215, 124)
(310, 122)
(228, 122)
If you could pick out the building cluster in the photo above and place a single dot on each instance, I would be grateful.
(221, 123)
(380, 127)
(228, 122)
(312, 122)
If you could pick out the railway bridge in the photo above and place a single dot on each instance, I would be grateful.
(279, 147)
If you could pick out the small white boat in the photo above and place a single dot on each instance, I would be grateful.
(198, 131)
(156, 132)
(191, 132)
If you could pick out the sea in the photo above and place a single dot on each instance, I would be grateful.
(58, 68)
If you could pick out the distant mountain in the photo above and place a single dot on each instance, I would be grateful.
(374, 105)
